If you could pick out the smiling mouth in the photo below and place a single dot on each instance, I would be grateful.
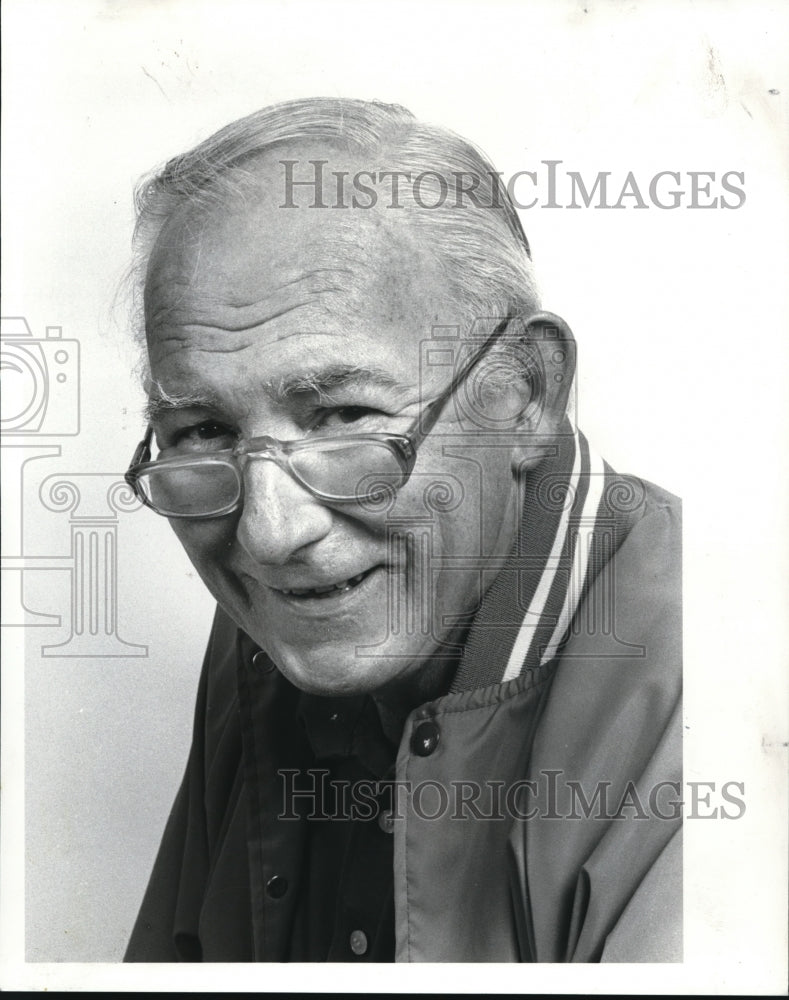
(329, 591)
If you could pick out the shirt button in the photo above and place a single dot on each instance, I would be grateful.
(425, 738)
(358, 942)
(386, 820)
(277, 886)
(262, 663)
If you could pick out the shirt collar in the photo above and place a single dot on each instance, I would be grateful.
(339, 728)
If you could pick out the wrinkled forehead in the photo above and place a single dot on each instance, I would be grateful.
(245, 238)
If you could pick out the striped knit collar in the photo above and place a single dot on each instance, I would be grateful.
(576, 513)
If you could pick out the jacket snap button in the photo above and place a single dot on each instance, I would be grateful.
(262, 663)
(386, 821)
(358, 942)
(425, 738)
(277, 886)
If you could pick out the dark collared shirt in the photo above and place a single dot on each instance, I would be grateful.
(345, 910)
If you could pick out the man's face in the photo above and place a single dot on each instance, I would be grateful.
(296, 324)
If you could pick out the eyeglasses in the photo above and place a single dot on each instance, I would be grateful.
(352, 468)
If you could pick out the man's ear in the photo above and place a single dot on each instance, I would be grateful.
(550, 347)
(547, 348)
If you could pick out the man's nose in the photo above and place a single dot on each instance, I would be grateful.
(279, 516)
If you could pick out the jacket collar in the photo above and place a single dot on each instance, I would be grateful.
(576, 512)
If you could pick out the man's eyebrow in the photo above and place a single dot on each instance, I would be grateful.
(320, 383)
(324, 381)
(160, 402)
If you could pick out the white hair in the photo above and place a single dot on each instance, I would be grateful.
(479, 241)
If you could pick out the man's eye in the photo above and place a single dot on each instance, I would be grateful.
(344, 415)
(207, 436)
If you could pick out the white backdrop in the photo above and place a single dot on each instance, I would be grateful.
(681, 322)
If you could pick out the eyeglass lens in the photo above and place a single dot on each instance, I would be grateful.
(356, 471)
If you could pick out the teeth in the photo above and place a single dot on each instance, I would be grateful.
(342, 587)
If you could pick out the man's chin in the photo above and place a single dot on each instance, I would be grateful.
(328, 679)
(341, 672)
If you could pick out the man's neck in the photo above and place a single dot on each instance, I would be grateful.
(430, 681)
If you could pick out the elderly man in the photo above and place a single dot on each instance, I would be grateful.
(438, 718)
